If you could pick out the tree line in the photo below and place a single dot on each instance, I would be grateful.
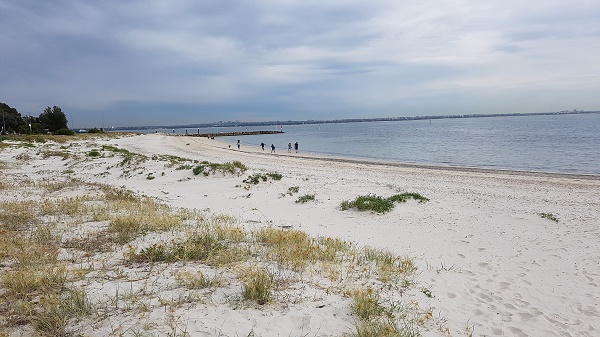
(51, 120)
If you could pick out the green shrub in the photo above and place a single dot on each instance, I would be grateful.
(378, 204)
(258, 177)
(369, 202)
(405, 196)
(206, 168)
(549, 216)
(305, 198)
(94, 153)
(275, 176)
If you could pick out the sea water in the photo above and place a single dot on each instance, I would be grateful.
(544, 143)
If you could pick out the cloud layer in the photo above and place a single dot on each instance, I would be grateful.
(188, 61)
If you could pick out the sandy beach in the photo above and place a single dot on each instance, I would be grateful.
(491, 264)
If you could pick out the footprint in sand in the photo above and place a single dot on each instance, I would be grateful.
(525, 316)
(497, 331)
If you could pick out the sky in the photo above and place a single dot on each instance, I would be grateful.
(159, 62)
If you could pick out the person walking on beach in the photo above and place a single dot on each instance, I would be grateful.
(289, 147)
(238, 144)
(262, 145)
(272, 148)
(296, 147)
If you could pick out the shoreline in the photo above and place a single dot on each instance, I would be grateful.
(439, 167)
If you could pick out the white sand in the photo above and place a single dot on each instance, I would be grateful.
(491, 261)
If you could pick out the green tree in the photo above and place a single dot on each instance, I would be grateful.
(53, 119)
(11, 119)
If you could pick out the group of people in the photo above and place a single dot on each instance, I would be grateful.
(262, 145)
(290, 147)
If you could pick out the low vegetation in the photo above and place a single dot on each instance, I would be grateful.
(72, 261)
(305, 198)
(549, 216)
(379, 204)
(206, 168)
(257, 285)
(258, 177)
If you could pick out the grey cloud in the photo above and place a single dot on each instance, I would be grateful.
(215, 60)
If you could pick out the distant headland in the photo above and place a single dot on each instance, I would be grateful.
(346, 120)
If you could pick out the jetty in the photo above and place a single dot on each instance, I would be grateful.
(225, 134)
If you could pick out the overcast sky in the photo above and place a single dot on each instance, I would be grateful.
(152, 62)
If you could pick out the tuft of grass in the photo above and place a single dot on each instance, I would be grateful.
(24, 157)
(26, 283)
(62, 154)
(198, 247)
(258, 177)
(184, 167)
(405, 196)
(366, 304)
(549, 216)
(369, 202)
(15, 215)
(172, 160)
(207, 168)
(427, 292)
(94, 153)
(296, 249)
(257, 285)
(197, 280)
(56, 311)
(142, 220)
(129, 158)
(383, 328)
(305, 198)
(379, 204)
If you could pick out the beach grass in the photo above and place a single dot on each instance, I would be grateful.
(549, 216)
(305, 198)
(377, 204)
(207, 168)
(258, 177)
(56, 247)
(257, 284)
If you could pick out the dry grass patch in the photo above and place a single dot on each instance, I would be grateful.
(55, 311)
(71, 207)
(257, 284)
(17, 215)
(132, 219)
(26, 283)
(197, 280)
(296, 249)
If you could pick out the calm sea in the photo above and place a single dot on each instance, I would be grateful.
(552, 143)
